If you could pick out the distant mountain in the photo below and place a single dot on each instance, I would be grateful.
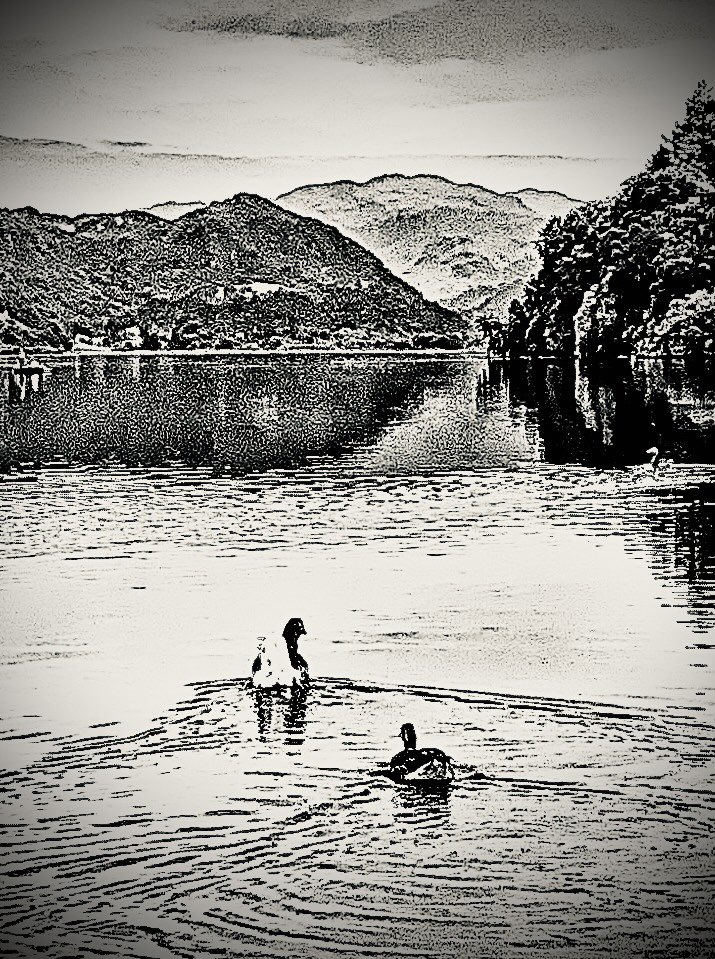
(464, 246)
(172, 210)
(240, 272)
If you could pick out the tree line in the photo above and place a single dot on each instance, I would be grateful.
(632, 274)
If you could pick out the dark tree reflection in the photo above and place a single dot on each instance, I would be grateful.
(235, 415)
(609, 416)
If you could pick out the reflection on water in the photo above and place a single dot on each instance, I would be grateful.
(611, 416)
(281, 713)
(233, 415)
(351, 421)
(694, 533)
(266, 412)
(425, 806)
(191, 838)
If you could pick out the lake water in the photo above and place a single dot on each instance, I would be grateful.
(473, 548)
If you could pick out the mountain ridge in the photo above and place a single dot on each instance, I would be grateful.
(465, 246)
(380, 177)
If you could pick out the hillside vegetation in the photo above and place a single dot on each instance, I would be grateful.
(633, 274)
(242, 272)
(466, 247)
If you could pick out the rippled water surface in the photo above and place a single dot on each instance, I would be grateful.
(474, 549)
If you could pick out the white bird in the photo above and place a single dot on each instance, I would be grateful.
(654, 454)
(656, 462)
(277, 661)
(652, 467)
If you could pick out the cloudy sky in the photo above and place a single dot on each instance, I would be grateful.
(110, 104)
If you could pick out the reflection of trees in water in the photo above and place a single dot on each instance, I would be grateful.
(241, 415)
(682, 527)
(694, 531)
(688, 527)
(103, 409)
(609, 416)
(681, 400)
(583, 419)
(679, 532)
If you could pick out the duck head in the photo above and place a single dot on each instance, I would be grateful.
(293, 629)
(408, 736)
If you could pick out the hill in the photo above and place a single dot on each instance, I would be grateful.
(464, 246)
(633, 274)
(240, 272)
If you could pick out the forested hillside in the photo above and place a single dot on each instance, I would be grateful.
(633, 274)
(239, 273)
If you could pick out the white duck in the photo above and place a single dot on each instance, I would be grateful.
(277, 662)
(656, 462)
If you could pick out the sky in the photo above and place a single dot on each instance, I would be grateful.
(108, 105)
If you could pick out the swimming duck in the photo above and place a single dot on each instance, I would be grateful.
(649, 468)
(656, 462)
(654, 454)
(278, 662)
(419, 765)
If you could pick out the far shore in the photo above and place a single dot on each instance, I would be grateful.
(11, 353)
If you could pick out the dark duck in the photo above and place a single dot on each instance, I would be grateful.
(413, 765)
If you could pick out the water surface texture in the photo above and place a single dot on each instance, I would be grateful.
(474, 548)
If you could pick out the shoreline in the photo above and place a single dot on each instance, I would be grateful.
(256, 351)
(7, 354)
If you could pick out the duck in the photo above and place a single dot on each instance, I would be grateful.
(277, 662)
(656, 461)
(648, 469)
(413, 765)
(654, 453)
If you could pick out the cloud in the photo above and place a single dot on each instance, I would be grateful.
(12, 144)
(63, 177)
(307, 19)
(487, 31)
(193, 92)
(126, 143)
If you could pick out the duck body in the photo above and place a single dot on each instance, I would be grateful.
(277, 663)
(421, 765)
(413, 765)
(270, 670)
